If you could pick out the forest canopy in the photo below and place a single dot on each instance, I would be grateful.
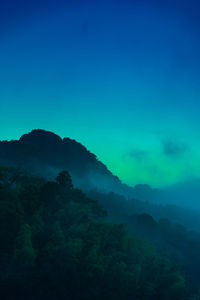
(57, 244)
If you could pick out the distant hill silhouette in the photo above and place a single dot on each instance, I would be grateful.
(45, 153)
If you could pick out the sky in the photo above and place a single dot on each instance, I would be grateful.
(121, 77)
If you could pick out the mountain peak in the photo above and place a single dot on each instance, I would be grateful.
(40, 136)
(45, 153)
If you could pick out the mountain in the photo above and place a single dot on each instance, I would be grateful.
(45, 153)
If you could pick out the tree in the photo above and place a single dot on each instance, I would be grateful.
(65, 180)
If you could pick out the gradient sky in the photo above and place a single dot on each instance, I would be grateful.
(121, 77)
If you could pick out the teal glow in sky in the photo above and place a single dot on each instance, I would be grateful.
(121, 78)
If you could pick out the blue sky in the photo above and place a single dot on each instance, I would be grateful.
(122, 77)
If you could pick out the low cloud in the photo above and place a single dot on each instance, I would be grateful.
(173, 148)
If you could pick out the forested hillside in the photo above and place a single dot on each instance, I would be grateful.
(56, 243)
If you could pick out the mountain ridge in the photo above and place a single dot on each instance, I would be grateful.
(45, 153)
(41, 147)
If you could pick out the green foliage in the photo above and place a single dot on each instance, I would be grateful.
(60, 246)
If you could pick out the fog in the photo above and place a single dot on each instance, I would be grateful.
(186, 193)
